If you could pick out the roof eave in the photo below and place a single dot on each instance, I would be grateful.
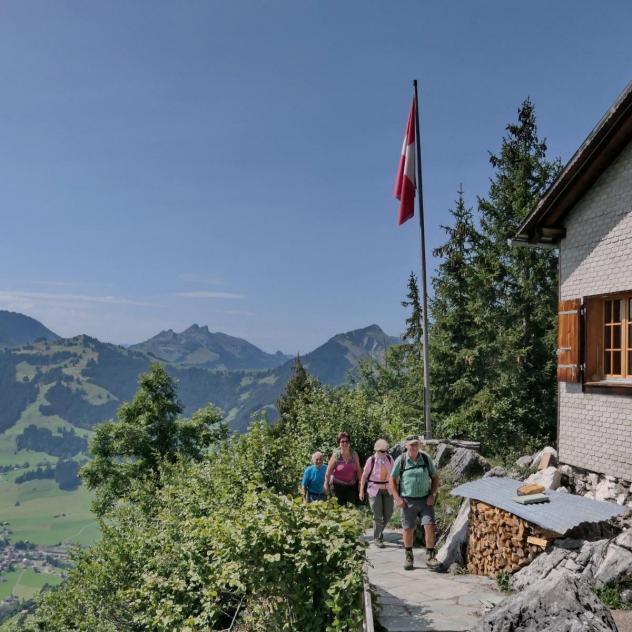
(596, 153)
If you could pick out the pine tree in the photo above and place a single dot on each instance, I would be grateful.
(453, 335)
(414, 323)
(514, 308)
(297, 389)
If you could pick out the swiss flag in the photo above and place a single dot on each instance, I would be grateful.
(405, 184)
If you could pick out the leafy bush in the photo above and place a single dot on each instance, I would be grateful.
(196, 554)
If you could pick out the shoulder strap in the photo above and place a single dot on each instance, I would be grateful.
(426, 461)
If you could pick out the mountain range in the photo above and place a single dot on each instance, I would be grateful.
(70, 385)
(198, 347)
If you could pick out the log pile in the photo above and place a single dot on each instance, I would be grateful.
(500, 541)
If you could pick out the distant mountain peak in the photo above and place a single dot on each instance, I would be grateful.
(197, 347)
(18, 329)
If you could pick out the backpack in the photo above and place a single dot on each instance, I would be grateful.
(369, 479)
(416, 466)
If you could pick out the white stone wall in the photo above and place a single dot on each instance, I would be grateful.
(595, 430)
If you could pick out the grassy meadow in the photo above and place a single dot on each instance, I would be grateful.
(25, 583)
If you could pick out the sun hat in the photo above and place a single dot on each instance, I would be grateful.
(381, 444)
(413, 439)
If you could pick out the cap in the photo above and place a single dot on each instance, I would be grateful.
(381, 444)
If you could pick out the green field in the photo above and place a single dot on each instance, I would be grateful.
(39, 516)
(25, 583)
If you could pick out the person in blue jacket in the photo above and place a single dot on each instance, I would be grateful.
(314, 479)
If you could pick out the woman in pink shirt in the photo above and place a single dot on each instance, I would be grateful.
(343, 471)
(376, 474)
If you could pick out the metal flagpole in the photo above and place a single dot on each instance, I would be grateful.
(424, 286)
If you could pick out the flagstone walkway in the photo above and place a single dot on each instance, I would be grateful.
(421, 600)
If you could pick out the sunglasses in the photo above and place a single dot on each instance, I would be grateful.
(382, 451)
(343, 441)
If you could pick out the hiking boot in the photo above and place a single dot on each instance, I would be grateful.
(432, 563)
(409, 563)
(380, 542)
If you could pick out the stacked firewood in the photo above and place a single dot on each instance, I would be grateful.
(501, 541)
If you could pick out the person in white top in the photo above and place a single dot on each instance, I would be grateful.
(375, 484)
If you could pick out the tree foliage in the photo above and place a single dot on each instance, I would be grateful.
(507, 386)
(454, 324)
(148, 434)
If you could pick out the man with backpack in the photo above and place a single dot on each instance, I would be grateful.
(414, 482)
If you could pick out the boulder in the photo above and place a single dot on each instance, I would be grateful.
(599, 563)
(524, 461)
(443, 454)
(550, 478)
(498, 471)
(535, 461)
(562, 603)
(454, 548)
(608, 489)
(626, 596)
(467, 464)
(617, 561)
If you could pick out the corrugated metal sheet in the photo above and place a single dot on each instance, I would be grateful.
(564, 512)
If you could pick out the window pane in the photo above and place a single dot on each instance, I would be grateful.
(629, 362)
(616, 337)
(616, 363)
(616, 312)
(629, 335)
(606, 362)
(608, 311)
(629, 307)
(608, 338)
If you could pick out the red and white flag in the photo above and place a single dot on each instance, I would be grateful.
(405, 184)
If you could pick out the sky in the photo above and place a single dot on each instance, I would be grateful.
(231, 163)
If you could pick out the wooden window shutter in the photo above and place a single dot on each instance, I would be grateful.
(593, 335)
(568, 341)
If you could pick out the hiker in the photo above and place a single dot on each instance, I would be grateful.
(414, 482)
(314, 479)
(375, 480)
(343, 471)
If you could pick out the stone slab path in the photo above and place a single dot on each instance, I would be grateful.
(421, 600)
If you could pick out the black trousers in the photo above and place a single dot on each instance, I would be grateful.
(346, 494)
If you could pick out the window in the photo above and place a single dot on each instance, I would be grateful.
(595, 340)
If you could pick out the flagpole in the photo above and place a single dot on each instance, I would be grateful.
(424, 285)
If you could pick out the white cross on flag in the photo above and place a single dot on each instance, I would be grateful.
(405, 184)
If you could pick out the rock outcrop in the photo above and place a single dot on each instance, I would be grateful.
(454, 549)
(549, 478)
(466, 464)
(599, 563)
(563, 603)
(444, 453)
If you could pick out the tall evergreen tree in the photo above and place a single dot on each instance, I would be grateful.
(297, 389)
(414, 323)
(514, 307)
(453, 332)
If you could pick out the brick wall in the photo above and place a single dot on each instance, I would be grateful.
(595, 430)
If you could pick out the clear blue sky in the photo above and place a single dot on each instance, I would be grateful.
(231, 163)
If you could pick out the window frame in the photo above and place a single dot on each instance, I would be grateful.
(594, 347)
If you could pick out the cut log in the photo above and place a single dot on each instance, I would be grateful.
(542, 542)
(531, 488)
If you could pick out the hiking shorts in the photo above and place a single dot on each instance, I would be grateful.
(416, 507)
